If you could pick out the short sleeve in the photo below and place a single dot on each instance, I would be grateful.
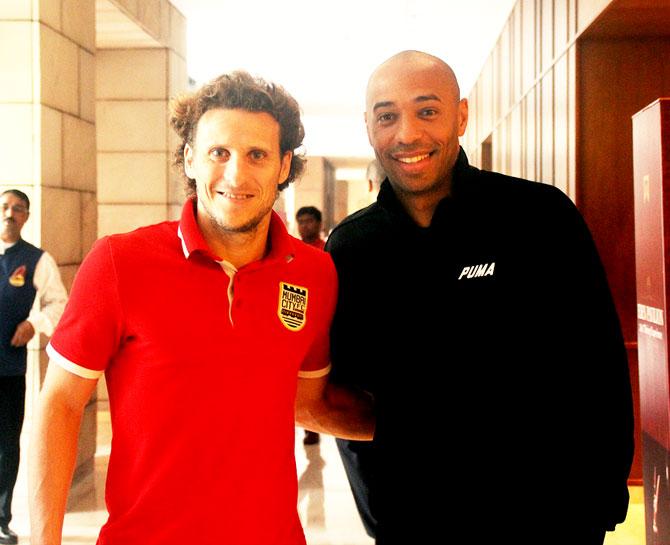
(91, 328)
(317, 362)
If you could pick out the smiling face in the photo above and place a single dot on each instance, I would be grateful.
(237, 165)
(414, 118)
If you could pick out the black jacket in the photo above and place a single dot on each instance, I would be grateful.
(494, 333)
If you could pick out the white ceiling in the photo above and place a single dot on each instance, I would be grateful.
(323, 52)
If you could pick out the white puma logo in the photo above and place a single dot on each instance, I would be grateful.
(476, 271)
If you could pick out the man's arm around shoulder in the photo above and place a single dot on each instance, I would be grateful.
(53, 451)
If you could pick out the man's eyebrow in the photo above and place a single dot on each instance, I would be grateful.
(424, 98)
(420, 98)
(384, 104)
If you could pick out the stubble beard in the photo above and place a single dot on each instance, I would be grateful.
(221, 226)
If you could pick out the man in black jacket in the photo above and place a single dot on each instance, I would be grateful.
(475, 308)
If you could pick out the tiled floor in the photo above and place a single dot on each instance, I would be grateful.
(326, 507)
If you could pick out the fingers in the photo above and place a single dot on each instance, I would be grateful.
(24, 332)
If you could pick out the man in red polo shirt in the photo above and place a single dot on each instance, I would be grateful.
(208, 330)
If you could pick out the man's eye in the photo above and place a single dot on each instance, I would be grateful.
(257, 155)
(218, 154)
(428, 112)
(386, 118)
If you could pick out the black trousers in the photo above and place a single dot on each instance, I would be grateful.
(358, 461)
(12, 408)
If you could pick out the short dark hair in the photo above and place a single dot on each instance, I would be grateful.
(20, 194)
(309, 210)
(239, 90)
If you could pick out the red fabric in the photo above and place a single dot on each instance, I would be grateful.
(202, 410)
(318, 243)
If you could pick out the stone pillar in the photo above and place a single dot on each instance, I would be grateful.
(140, 66)
(47, 149)
(136, 75)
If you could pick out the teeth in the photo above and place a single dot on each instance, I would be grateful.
(410, 160)
(233, 196)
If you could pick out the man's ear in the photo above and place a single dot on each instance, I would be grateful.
(285, 167)
(462, 116)
(188, 161)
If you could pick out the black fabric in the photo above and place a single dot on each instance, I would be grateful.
(359, 466)
(12, 402)
(17, 294)
(519, 370)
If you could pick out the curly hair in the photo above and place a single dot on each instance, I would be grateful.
(239, 90)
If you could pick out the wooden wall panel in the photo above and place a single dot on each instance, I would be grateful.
(588, 10)
(616, 79)
(528, 45)
(531, 136)
(505, 74)
(547, 130)
(572, 122)
(485, 126)
(495, 84)
(547, 33)
(560, 26)
(516, 41)
(561, 123)
(515, 146)
(572, 18)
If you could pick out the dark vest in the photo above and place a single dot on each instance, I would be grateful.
(17, 293)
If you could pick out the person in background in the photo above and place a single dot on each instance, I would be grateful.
(475, 308)
(375, 175)
(27, 274)
(208, 329)
(309, 226)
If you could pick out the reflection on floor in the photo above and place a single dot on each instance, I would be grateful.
(326, 507)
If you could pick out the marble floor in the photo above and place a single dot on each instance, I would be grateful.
(326, 507)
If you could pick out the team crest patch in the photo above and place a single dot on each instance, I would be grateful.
(18, 278)
(292, 309)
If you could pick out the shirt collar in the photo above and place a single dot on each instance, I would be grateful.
(281, 244)
(4, 246)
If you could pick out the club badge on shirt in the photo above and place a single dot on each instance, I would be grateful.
(292, 309)
(18, 277)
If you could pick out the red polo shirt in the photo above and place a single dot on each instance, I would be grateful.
(202, 373)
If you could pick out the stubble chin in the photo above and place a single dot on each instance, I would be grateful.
(225, 226)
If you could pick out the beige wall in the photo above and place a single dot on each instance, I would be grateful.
(47, 104)
(50, 55)
(135, 81)
(141, 65)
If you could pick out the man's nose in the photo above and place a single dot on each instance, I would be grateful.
(234, 169)
(409, 130)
